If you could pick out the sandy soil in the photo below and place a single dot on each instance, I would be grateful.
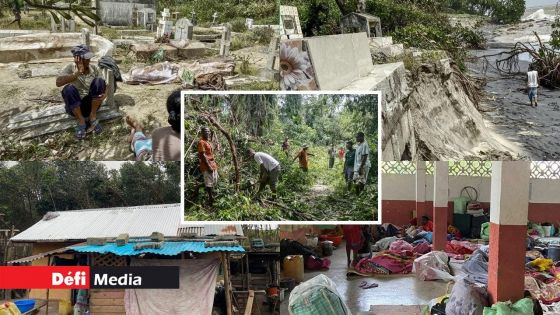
(535, 130)
(145, 102)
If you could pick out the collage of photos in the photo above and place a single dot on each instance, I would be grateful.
(271, 157)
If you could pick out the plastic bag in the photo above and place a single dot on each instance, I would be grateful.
(9, 308)
(521, 307)
(432, 266)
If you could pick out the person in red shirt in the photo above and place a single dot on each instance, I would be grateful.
(354, 238)
(303, 157)
(427, 224)
(207, 163)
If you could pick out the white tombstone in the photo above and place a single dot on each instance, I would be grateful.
(183, 29)
(165, 26)
(226, 40)
(249, 23)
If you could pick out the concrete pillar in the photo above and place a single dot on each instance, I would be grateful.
(226, 40)
(509, 203)
(420, 189)
(441, 197)
(85, 38)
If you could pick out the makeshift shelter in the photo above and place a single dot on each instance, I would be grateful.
(57, 230)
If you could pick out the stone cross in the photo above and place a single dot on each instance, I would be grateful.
(226, 40)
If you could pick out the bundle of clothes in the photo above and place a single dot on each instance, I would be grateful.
(312, 261)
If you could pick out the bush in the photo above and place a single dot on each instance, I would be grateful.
(238, 25)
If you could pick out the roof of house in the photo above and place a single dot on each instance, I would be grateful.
(139, 221)
(210, 229)
(167, 248)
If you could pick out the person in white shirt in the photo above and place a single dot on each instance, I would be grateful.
(532, 85)
(362, 163)
(269, 171)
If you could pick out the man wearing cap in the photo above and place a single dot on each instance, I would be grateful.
(84, 91)
(269, 170)
(303, 159)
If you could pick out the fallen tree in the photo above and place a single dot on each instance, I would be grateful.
(546, 61)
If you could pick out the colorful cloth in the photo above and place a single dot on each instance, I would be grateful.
(142, 146)
(386, 262)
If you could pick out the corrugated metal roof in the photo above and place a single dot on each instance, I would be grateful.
(39, 256)
(138, 221)
(211, 229)
(168, 248)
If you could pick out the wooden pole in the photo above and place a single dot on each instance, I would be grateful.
(48, 291)
(227, 283)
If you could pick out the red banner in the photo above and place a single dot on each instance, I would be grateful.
(43, 277)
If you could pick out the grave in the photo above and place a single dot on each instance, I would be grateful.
(183, 29)
(226, 40)
(165, 26)
(357, 22)
(145, 18)
(289, 22)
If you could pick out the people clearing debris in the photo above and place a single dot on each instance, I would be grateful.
(269, 171)
(303, 158)
(207, 164)
(532, 85)
(165, 144)
(84, 91)
(362, 163)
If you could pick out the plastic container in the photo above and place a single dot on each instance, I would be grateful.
(25, 305)
(293, 267)
(336, 239)
(554, 252)
(311, 240)
(327, 248)
(460, 205)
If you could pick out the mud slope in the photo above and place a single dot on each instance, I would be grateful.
(446, 123)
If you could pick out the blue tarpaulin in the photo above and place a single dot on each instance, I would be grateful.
(168, 248)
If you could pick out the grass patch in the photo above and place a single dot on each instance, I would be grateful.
(258, 86)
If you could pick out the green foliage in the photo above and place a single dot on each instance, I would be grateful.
(261, 122)
(30, 189)
(317, 17)
(500, 11)
(255, 36)
(263, 12)
(238, 25)
(555, 35)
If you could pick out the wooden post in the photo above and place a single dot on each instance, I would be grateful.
(48, 290)
(110, 81)
(227, 283)
(250, 301)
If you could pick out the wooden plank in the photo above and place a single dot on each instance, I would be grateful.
(106, 309)
(37, 113)
(106, 302)
(60, 126)
(48, 119)
(108, 295)
(249, 308)
(105, 290)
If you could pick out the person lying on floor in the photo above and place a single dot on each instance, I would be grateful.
(83, 91)
(165, 144)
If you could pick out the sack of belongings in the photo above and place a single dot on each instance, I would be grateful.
(432, 266)
(521, 307)
(317, 296)
(466, 298)
(9, 308)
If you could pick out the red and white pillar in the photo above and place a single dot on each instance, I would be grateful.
(420, 189)
(441, 197)
(509, 203)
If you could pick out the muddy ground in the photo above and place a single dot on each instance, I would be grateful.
(535, 130)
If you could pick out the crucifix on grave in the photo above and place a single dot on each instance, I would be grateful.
(214, 17)
(165, 25)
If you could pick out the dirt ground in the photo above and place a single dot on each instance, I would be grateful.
(17, 95)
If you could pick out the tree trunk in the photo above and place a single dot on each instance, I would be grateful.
(232, 147)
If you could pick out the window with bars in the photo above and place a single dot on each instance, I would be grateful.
(539, 170)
